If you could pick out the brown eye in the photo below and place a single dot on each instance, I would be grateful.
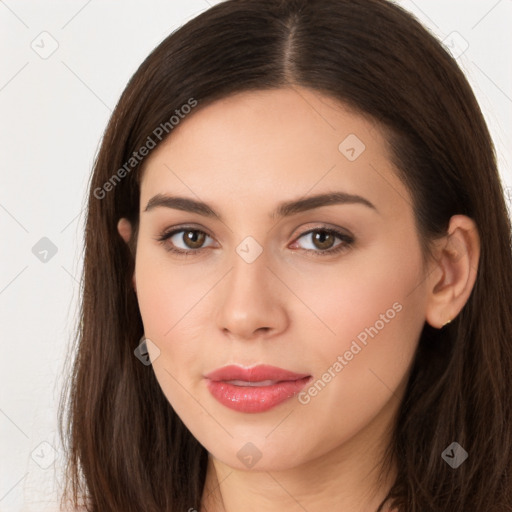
(323, 239)
(184, 240)
(194, 239)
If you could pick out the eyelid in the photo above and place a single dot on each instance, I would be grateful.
(321, 226)
(185, 227)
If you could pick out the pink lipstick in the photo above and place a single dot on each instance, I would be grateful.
(255, 389)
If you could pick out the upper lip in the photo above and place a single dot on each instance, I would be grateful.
(256, 373)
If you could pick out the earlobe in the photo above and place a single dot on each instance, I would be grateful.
(124, 228)
(457, 262)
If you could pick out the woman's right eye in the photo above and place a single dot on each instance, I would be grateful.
(191, 240)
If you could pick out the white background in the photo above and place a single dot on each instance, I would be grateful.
(53, 112)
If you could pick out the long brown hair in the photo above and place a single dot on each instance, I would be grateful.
(126, 448)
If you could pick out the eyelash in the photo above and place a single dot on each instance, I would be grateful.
(346, 243)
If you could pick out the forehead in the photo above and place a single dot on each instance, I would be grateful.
(274, 144)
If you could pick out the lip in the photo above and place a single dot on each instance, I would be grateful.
(226, 385)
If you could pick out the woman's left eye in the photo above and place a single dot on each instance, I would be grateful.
(322, 241)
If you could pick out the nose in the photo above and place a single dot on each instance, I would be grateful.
(251, 300)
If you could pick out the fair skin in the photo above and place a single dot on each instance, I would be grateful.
(291, 307)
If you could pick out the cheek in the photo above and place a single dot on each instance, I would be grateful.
(167, 291)
(368, 295)
(170, 296)
(164, 300)
(375, 313)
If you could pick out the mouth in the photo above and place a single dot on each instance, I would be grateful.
(256, 389)
(249, 383)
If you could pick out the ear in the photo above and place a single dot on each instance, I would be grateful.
(124, 228)
(451, 280)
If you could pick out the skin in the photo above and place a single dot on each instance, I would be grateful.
(243, 155)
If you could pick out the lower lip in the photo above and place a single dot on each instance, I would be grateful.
(255, 398)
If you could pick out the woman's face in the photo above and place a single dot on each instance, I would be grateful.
(264, 283)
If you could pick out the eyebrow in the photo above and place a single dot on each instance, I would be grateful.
(284, 209)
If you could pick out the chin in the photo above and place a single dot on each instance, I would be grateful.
(258, 454)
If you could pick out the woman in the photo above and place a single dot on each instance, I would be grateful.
(297, 275)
